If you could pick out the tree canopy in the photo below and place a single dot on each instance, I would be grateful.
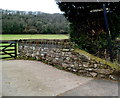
(28, 22)
(87, 23)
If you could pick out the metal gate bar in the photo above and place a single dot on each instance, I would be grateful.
(6, 49)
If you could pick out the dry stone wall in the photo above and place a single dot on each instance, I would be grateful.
(61, 53)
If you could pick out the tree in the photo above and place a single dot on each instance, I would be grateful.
(32, 22)
(87, 24)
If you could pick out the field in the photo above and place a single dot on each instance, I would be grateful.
(33, 36)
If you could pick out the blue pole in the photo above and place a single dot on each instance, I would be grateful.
(108, 35)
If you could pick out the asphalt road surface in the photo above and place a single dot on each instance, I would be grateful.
(34, 78)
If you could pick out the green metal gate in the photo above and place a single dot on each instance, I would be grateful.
(8, 49)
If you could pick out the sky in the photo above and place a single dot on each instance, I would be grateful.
(47, 6)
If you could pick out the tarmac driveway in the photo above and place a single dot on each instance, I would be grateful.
(34, 78)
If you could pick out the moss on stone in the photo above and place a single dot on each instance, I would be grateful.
(98, 59)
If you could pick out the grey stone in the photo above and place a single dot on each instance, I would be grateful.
(69, 68)
(64, 65)
(25, 46)
(89, 69)
(85, 65)
(63, 53)
(37, 58)
(113, 77)
(57, 58)
(66, 55)
(37, 53)
(28, 54)
(74, 70)
(81, 68)
(54, 61)
(83, 58)
(45, 49)
(45, 52)
(101, 76)
(95, 65)
(33, 55)
(58, 51)
(79, 65)
(72, 66)
(69, 53)
(33, 48)
(76, 64)
(104, 71)
(68, 58)
(68, 62)
(72, 49)
(82, 71)
(93, 74)
(75, 58)
(66, 50)
(88, 75)
(42, 54)
(42, 49)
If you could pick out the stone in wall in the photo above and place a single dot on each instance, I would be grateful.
(68, 59)
(104, 71)
(93, 74)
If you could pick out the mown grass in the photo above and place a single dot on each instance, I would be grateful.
(33, 36)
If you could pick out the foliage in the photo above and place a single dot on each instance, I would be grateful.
(27, 22)
(87, 24)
